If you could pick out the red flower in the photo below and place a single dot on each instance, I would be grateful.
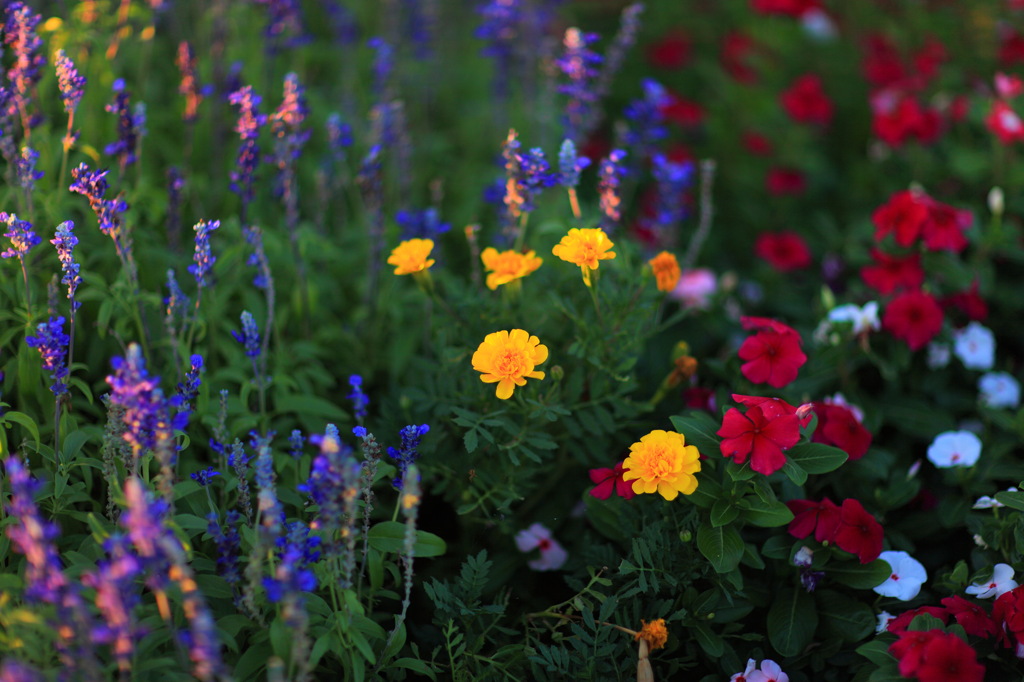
(785, 181)
(806, 102)
(757, 144)
(893, 272)
(974, 619)
(904, 214)
(859, 532)
(773, 355)
(947, 658)
(785, 251)
(929, 58)
(771, 407)
(792, 8)
(1007, 86)
(838, 426)
(671, 52)
(761, 438)
(1011, 51)
(914, 317)
(882, 64)
(699, 398)
(959, 108)
(900, 623)
(684, 113)
(1008, 611)
(944, 229)
(1005, 123)
(820, 518)
(909, 649)
(608, 480)
(736, 48)
(969, 302)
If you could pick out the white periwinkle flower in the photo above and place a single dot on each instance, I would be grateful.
(863, 319)
(883, 622)
(938, 355)
(954, 449)
(906, 578)
(975, 345)
(999, 389)
(552, 554)
(1000, 582)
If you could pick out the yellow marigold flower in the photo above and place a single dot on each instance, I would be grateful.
(662, 462)
(508, 266)
(412, 256)
(666, 270)
(508, 358)
(654, 632)
(585, 247)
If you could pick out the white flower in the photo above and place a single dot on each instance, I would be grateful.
(695, 288)
(770, 672)
(743, 676)
(999, 389)
(975, 345)
(818, 25)
(552, 554)
(863, 319)
(804, 557)
(938, 355)
(883, 622)
(954, 449)
(986, 502)
(906, 578)
(1001, 581)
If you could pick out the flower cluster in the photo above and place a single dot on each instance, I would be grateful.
(52, 344)
(23, 237)
(203, 258)
(936, 655)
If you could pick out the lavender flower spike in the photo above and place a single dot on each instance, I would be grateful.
(22, 237)
(52, 343)
(579, 64)
(249, 336)
(65, 241)
(70, 82)
(204, 259)
(408, 453)
(20, 35)
(358, 398)
(248, 128)
(26, 168)
(128, 128)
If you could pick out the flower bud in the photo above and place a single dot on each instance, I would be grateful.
(996, 201)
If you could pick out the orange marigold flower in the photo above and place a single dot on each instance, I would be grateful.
(666, 270)
(654, 632)
(508, 266)
(411, 256)
(662, 462)
(508, 358)
(585, 247)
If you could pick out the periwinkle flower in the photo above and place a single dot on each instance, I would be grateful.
(52, 343)
(204, 258)
(672, 180)
(646, 120)
(93, 186)
(285, 26)
(333, 480)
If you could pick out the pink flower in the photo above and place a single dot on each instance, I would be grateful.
(552, 554)
(770, 672)
(608, 480)
(695, 288)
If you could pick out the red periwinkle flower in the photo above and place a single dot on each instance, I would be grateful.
(838, 426)
(969, 302)
(806, 102)
(1008, 87)
(891, 273)
(944, 230)
(882, 64)
(914, 317)
(735, 49)
(682, 112)
(821, 518)
(974, 619)
(609, 480)
(1005, 123)
(762, 439)
(785, 251)
(792, 8)
(773, 355)
(771, 407)
(1011, 51)
(909, 650)
(947, 658)
(1008, 610)
(671, 52)
(859, 532)
(757, 144)
(904, 215)
(900, 623)
(929, 58)
(785, 182)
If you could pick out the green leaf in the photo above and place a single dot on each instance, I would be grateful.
(792, 621)
(415, 665)
(26, 421)
(1011, 498)
(389, 536)
(845, 617)
(876, 651)
(699, 430)
(795, 472)
(860, 576)
(310, 406)
(767, 515)
(710, 642)
(470, 440)
(722, 546)
(723, 512)
(817, 458)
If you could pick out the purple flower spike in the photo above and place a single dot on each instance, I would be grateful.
(22, 237)
(65, 241)
(579, 64)
(52, 343)
(70, 82)
(248, 128)
(249, 336)
(129, 127)
(204, 259)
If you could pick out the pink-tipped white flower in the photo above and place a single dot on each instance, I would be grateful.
(863, 319)
(745, 675)
(552, 554)
(954, 449)
(975, 345)
(770, 672)
(999, 389)
(1000, 582)
(906, 579)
